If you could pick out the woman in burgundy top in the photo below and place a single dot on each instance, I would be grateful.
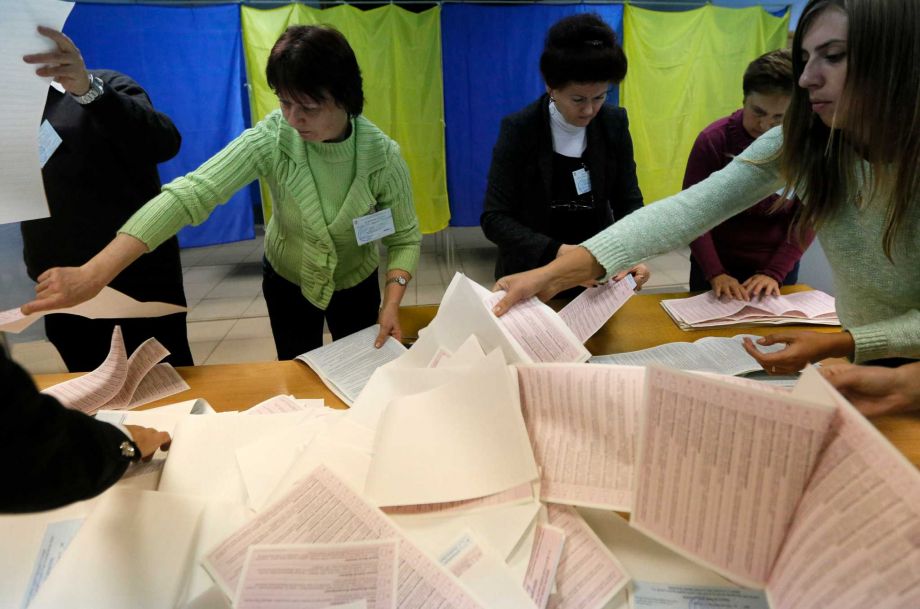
(750, 254)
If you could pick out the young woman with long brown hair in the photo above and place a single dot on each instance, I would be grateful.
(850, 148)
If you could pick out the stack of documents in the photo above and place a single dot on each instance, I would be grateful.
(122, 382)
(707, 311)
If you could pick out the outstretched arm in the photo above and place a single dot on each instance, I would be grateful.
(61, 287)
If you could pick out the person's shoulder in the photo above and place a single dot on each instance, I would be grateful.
(716, 132)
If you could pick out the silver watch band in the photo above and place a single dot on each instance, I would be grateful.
(95, 90)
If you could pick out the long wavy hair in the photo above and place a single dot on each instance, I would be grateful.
(880, 107)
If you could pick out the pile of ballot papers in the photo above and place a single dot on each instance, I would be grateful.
(706, 311)
(470, 474)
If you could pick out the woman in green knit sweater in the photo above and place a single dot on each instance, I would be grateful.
(338, 184)
(850, 147)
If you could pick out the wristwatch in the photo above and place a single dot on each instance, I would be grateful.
(130, 451)
(95, 90)
(398, 279)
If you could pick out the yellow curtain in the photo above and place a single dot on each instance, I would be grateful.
(685, 71)
(400, 57)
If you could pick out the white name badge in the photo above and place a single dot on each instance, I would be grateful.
(48, 142)
(374, 226)
(582, 180)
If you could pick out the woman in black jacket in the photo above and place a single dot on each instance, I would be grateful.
(562, 169)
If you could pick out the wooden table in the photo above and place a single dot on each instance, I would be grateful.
(640, 324)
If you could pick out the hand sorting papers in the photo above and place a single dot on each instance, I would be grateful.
(121, 382)
(107, 304)
(706, 311)
(346, 365)
(529, 332)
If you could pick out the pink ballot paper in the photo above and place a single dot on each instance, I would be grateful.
(544, 562)
(795, 493)
(589, 576)
(316, 576)
(705, 310)
(855, 537)
(592, 308)
(539, 331)
(322, 509)
(121, 382)
(721, 468)
(583, 422)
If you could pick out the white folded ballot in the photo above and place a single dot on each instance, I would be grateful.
(346, 365)
(529, 332)
(713, 354)
(706, 311)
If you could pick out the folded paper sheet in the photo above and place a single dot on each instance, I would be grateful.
(346, 365)
(203, 462)
(706, 311)
(858, 521)
(530, 332)
(583, 422)
(589, 576)
(107, 304)
(717, 450)
(121, 382)
(390, 382)
(464, 457)
(711, 354)
(134, 545)
(322, 509)
(592, 308)
(485, 572)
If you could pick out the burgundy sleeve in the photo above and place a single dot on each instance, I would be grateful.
(705, 159)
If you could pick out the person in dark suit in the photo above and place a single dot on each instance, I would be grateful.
(52, 455)
(563, 169)
(104, 170)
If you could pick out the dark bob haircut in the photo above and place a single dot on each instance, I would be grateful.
(581, 48)
(316, 61)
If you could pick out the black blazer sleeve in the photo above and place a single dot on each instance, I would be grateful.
(507, 188)
(625, 194)
(126, 115)
(50, 455)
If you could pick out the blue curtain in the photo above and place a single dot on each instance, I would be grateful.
(190, 62)
(491, 59)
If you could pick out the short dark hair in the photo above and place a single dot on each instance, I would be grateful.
(581, 48)
(316, 61)
(770, 74)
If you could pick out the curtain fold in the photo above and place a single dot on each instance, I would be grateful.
(400, 57)
(685, 71)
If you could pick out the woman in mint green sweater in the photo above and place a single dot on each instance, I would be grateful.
(850, 147)
(338, 185)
